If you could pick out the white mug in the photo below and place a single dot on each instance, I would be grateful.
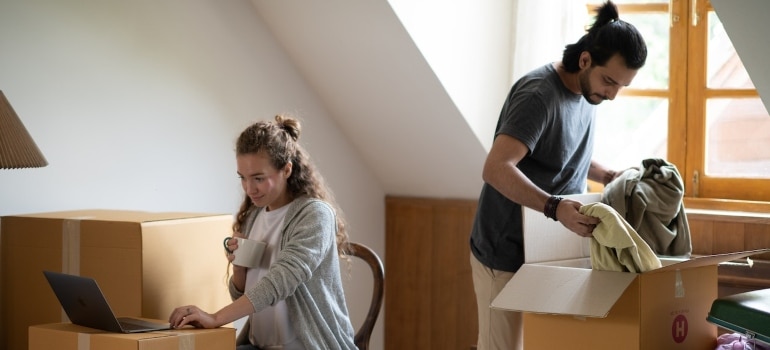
(249, 252)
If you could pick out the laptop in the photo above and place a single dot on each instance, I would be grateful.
(85, 305)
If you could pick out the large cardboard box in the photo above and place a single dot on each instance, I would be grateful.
(145, 263)
(567, 304)
(67, 336)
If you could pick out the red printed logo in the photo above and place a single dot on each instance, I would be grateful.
(679, 328)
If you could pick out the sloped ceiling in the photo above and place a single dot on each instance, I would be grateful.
(747, 26)
(375, 83)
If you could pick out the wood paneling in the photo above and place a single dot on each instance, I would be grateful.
(757, 236)
(728, 237)
(702, 236)
(429, 298)
(719, 231)
(739, 277)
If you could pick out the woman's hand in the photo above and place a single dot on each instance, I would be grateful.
(191, 315)
(231, 244)
(239, 272)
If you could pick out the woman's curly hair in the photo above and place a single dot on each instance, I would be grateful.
(278, 139)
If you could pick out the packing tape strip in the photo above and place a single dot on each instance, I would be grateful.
(84, 341)
(70, 254)
(186, 340)
(71, 247)
(678, 285)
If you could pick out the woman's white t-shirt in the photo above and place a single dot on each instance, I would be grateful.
(270, 327)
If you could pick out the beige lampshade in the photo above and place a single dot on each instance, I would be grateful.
(17, 149)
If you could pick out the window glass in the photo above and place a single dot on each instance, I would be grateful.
(621, 2)
(629, 130)
(725, 69)
(654, 28)
(738, 133)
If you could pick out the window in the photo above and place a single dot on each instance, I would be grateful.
(693, 104)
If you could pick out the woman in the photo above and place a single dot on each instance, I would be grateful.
(295, 299)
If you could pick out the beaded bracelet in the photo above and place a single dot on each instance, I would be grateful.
(550, 207)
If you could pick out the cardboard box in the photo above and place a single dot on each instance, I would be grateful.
(145, 263)
(567, 304)
(67, 336)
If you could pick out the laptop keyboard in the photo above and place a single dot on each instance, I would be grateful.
(136, 324)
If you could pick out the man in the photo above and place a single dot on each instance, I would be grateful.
(542, 149)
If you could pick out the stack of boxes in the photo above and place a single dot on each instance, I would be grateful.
(145, 263)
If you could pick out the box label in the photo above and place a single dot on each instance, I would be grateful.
(679, 328)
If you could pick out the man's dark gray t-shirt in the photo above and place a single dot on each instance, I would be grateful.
(556, 125)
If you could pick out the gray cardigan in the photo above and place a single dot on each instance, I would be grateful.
(306, 275)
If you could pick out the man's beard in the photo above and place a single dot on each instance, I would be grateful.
(585, 88)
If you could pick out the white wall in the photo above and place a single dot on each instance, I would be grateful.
(362, 62)
(746, 25)
(468, 45)
(136, 105)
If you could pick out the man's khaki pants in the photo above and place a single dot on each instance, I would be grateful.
(498, 330)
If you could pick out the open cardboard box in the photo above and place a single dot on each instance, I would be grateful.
(567, 304)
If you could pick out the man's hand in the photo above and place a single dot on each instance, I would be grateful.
(568, 213)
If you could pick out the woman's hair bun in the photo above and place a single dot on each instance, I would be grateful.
(290, 125)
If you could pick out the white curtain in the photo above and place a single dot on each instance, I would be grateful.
(541, 29)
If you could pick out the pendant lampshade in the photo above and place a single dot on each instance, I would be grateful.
(17, 149)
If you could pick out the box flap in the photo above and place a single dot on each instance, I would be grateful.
(548, 240)
(563, 290)
(708, 260)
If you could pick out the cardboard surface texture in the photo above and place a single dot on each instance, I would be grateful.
(145, 263)
(567, 304)
(67, 336)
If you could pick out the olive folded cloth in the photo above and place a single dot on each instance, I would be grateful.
(615, 245)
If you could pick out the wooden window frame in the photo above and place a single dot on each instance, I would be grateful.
(687, 95)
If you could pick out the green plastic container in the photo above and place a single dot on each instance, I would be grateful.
(746, 313)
